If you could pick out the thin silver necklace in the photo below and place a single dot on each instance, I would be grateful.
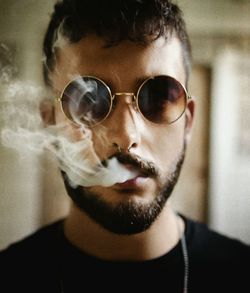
(185, 260)
(185, 257)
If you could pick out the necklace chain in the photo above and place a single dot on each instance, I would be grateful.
(186, 262)
(184, 253)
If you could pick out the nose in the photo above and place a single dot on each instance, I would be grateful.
(123, 124)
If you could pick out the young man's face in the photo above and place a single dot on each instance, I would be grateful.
(130, 207)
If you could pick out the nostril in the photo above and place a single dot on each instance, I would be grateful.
(121, 149)
(117, 147)
(133, 145)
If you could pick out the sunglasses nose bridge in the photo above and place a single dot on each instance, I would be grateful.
(132, 95)
(130, 98)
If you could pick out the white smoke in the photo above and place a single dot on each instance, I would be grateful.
(7, 70)
(23, 130)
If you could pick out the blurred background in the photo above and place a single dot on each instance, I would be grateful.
(214, 187)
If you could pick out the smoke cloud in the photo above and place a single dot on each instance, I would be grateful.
(23, 129)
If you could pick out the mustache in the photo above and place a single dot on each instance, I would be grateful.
(145, 167)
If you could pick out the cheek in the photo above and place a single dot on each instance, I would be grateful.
(96, 139)
(101, 143)
(59, 116)
(68, 129)
(165, 144)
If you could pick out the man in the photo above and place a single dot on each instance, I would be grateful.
(120, 71)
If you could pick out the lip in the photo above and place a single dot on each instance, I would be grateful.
(134, 183)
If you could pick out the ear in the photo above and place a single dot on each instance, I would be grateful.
(189, 115)
(47, 111)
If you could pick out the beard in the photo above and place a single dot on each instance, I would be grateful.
(128, 217)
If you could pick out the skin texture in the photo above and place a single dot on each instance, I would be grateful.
(123, 67)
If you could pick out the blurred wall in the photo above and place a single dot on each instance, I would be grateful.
(32, 192)
(220, 34)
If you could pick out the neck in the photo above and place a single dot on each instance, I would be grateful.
(91, 238)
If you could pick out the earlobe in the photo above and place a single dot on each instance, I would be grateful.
(47, 112)
(189, 115)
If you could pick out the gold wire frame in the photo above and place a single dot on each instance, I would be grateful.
(133, 95)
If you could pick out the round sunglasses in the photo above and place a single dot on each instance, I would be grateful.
(88, 100)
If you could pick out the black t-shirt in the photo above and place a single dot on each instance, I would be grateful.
(46, 262)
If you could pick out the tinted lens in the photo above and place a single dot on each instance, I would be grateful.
(162, 99)
(86, 100)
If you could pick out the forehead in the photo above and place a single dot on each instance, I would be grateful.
(120, 65)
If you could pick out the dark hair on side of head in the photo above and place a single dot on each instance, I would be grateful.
(140, 21)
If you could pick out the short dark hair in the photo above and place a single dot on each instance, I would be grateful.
(140, 21)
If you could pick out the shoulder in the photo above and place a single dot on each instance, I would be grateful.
(31, 261)
(217, 260)
(217, 246)
(39, 241)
